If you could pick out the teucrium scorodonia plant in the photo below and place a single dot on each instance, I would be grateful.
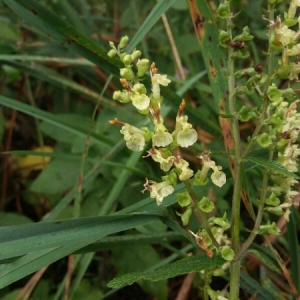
(276, 120)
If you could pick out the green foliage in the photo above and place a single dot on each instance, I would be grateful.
(183, 266)
(70, 186)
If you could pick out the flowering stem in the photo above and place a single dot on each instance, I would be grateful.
(201, 213)
(271, 55)
(258, 220)
(259, 216)
(235, 225)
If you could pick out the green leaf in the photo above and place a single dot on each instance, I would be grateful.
(271, 165)
(214, 57)
(52, 119)
(294, 247)
(62, 32)
(180, 267)
(266, 256)
(155, 14)
(20, 240)
(147, 256)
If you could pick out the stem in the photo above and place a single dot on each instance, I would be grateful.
(268, 83)
(236, 199)
(259, 216)
(201, 213)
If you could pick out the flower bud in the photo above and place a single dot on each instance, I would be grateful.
(136, 54)
(247, 71)
(199, 179)
(264, 140)
(288, 93)
(246, 113)
(117, 95)
(123, 42)
(272, 200)
(185, 217)
(274, 94)
(223, 11)
(224, 38)
(284, 72)
(184, 198)
(142, 67)
(268, 229)
(227, 253)
(127, 60)
(242, 54)
(139, 88)
(206, 205)
(246, 36)
(278, 211)
(222, 222)
(112, 45)
(171, 177)
(127, 73)
(112, 53)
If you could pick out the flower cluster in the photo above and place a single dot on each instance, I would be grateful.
(285, 126)
(165, 145)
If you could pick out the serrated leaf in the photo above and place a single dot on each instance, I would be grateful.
(271, 165)
(180, 267)
(266, 256)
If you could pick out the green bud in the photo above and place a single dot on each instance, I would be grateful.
(205, 236)
(117, 95)
(127, 74)
(147, 134)
(288, 93)
(124, 97)
(223, 11)
(244, 72)
(284, 72)
(206, 205)
(278, 211)
(278, 119)
(242, 53)
(271, 2)
(172, 177)
(112, 45)
(274, 94)
(227, 253)
(185, 217)
(290, 22)
(246, 113)
(244, 90)
(224, 38)
(222, 222)
(144, 111)
(123, 42)
(112, 53)
(139, 88)
(264, 140)
(272, 200)
(127, 60)
(268, 229)
(199, 180)
(184, 198)
(246, 36)
(136, 54)
(142, 67)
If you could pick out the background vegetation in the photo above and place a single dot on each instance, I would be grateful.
(56, 95)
